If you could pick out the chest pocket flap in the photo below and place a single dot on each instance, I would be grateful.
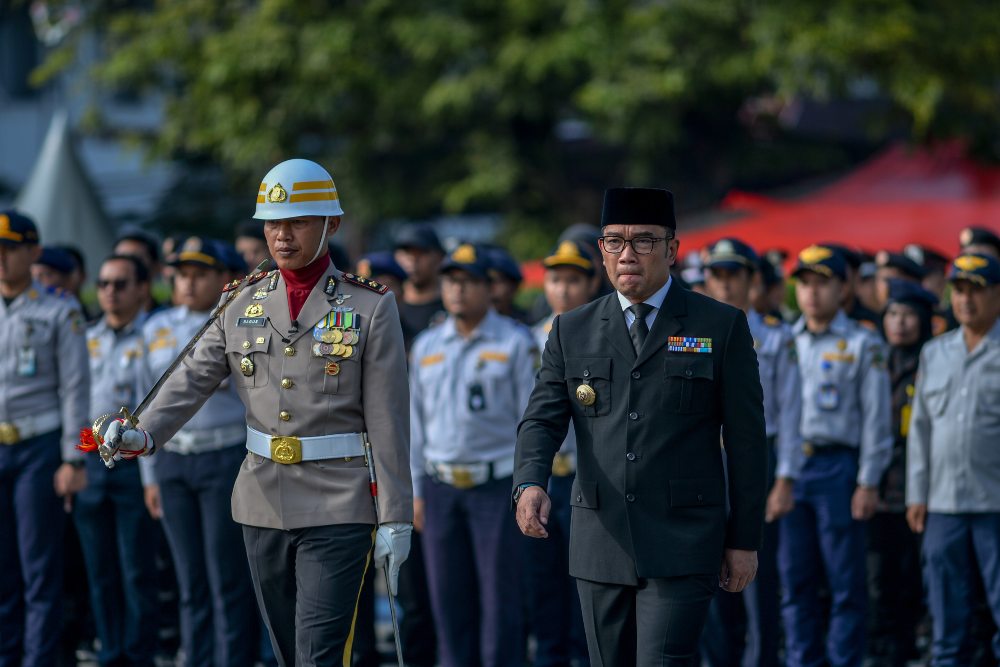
(594, 372)
(688, 383)
(247, 350)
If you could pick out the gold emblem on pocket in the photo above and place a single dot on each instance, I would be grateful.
(586, 395)
(246, 366)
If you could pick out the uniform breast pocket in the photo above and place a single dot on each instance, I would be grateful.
(988, 399)
(588, 381)
(936, 398)
(688, 384)
(325, 374)
(247, 350)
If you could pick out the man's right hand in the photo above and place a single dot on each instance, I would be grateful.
(131, 442)
(916, 516)
(780, 501)
(151, 494)
(533, 509)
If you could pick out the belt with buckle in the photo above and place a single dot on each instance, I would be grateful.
(289, 449)
(469, 475)
(814, 448)
(200, 441)
(20, 429)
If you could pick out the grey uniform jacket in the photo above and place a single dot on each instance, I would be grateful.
(369, 394)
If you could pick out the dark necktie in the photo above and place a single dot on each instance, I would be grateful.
(638, 331)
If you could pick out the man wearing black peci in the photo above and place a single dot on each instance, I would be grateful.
(650, 375)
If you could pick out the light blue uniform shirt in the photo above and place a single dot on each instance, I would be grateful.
(846, 394)
(43, 363)
(541, 334)
(164, 334)
(467, 395)
(115, 364)
(774, 343)
(953, 448)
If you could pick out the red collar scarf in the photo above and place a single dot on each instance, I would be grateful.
(300, 282)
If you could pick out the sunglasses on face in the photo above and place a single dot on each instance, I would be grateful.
(116, 285)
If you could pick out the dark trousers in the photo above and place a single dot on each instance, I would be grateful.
(820, 540)
(116, 532)
(654, 624)
(894, 588)
(217, 613)
(307, 582)
(473, 549)
(745, 628)
(31, 566)
(957, 548)
(556, 619)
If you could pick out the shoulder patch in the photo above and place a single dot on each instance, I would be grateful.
(250, 280)
(367, 284)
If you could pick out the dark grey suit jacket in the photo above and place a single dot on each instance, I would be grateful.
(650, 495)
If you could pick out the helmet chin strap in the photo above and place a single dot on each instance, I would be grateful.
(322, 241)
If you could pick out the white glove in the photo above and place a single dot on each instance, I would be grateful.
(392, 546)
(131, 441)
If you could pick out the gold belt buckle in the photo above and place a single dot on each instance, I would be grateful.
(286, 449)
(9, 434)
(461, 478)
(561, 465)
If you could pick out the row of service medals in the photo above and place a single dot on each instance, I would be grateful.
(336, 336)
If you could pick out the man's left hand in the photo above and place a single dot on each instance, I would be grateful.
(392, 546)
(863, 503)
(68, 481)
(739, 567)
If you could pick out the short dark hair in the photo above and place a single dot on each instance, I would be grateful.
(141, 270)
(75, 253)
(151, 243)
(253, 230)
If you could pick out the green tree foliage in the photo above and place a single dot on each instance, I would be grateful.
(430, 106)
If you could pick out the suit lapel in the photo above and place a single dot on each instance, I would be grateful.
(668, 323)
(614, 327)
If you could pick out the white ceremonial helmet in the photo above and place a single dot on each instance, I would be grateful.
(297, 188)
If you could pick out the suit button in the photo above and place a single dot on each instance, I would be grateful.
(586, 373)
(246, 345)
(284, 415)
(289, 351)
(630, 456)
(286, 383)
(629, 497)
(636, 375)
(579, 499)
(633, 415)
(688, 372)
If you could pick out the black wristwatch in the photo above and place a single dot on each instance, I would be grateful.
(520, 489)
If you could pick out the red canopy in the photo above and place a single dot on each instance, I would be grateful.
(901, 196)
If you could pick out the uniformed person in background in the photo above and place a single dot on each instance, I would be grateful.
(317, 356)
(115, 529)
(418, 250)
(383, 268)
(979, 240)
(935, 266)
(853, 306)
(44, 402)
(894, 266)
(469, 383)
(144, 245)
(251, 244)
(953, 462)
(847, 442)
(53, 268)
(188, 484)
(571, 280)
(864, 288)
(505, 280)
(894, 551)
(745, 628)
(767, 293)
(651, 539)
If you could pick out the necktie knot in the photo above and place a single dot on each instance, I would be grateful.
(639, 329)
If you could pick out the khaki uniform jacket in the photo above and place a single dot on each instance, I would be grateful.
(368, 394)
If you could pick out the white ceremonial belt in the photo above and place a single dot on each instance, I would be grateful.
(292, 449)
(198, 441)
(22, 428)
(468, 475)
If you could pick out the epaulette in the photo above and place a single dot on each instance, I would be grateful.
(772, 321)
(364, 282)
(257, 277)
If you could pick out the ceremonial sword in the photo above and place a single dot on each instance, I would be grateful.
(107, 450)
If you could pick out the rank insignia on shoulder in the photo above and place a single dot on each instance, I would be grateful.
(689, 344)
(364, 282)
(230, 286)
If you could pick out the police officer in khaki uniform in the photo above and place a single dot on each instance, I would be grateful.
(318, 360)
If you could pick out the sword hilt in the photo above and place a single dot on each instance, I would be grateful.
(105, 449)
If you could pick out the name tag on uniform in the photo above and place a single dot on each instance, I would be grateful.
(26, 362)
(839, 356)
(689, 344)
(251, 321)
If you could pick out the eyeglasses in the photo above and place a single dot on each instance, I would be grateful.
(642, 245)
(117, 285)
